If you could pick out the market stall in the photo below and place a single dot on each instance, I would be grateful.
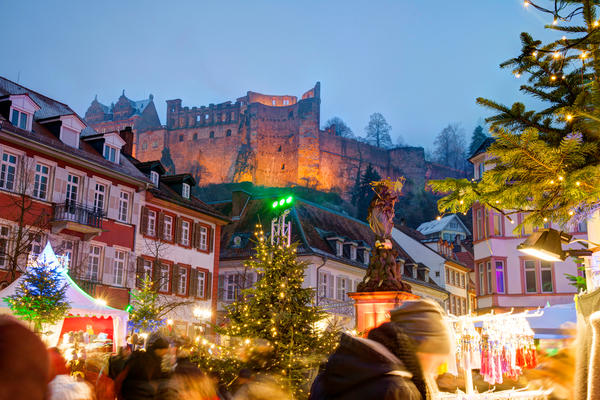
(89, 320)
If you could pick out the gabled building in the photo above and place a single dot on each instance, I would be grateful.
(504, 277)
(62, 182)
(446, 270)
(335, 246)
(449, 228)
(178, 246)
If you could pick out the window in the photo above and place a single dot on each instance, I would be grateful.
(151, 230)
(185, 191)
(195, 136)
(339, 248)
(282, 167)
(164, 278)
(453, 274)
(4, 231)
(454, 305)
(582, 226)
(123, 206)
(231, 288)
(181, 138)
(155, 144)
(201, 283)
(206, 117)
(154, 178)
(185, 233)
(480, 169)
(481, 279)
(447, 275)
(228, 133)
(342, 288)
(497, 224)
(286, 102)
(147, 272)
(211, 134)
(111, 153)
(197, 118)
(119, 268)
(464, 305)
(352, 252)
(500, 277)
(35, 243)
(72, 188)
(18, 119)
(479, 224)
(324, 284)
(8, 171)
(530, 277)
(489, 277)
(182, 284)
(68, 248)
(93, 270)
(462, 280)
(99, 194)
(203, 238)
(366, 256)
(40, 184)
(144, 145)
(168, 227)
(546, 276)
(274, 102)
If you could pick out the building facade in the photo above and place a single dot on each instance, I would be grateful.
(506, 278)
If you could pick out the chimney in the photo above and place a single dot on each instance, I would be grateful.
(127, 135)
(239, 199)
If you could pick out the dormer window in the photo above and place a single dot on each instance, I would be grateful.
(154, 178)
(353, 252)
(339, 248)
(185, 191)
(111, 153)
(366, 256)
(22, 110)
(19, 119)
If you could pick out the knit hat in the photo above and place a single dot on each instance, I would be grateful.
(156, 341)
(423, 321)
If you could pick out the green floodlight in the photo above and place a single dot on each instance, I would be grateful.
(289, 199)
(281, 202)
(129, 308)
(275, 204)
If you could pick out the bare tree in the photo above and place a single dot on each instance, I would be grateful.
(450, 147)
(341, 129)
(378, 131)
(30, 218)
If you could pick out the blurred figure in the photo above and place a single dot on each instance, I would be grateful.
(143, 375)
(116, 363)
(58, 364)
(65, 387)
(24, 362)
(398, 360)
(261, 389)
(96, 374)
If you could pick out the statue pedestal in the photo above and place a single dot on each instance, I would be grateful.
(373, 308)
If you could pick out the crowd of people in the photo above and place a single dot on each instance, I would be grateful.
(396, 361)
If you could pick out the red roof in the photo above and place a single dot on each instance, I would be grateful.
(466, 259)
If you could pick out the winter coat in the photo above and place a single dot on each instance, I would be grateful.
(362, 369)
(143, 376)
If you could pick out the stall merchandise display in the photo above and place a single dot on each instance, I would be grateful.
(502, 395)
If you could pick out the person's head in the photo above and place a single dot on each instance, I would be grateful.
(158, 344)
(423, 322)
(124, 351)
(244, 376)
(24, 362)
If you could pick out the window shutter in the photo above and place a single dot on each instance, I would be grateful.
(108, 271)
(338, 285)
(330, 285)
(221, 291)
(196, 235)
(144, 221)
(156, 278)
(208, 290)
(160, 229)
(193, 282)
(178, 230)
(139, 270)
(211, 242)
(175, 279)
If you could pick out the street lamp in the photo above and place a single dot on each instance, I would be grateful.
(546, 244)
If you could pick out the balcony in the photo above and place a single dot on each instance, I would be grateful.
(78, 218)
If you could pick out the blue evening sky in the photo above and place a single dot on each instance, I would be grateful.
(421, 64)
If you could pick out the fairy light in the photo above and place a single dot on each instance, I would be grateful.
(556, 54)
(571, 212)
(583, 54)
(595, 23)
(525, 3)
(534, 54)
(561, 178)
(517, 75)
(553, 77)
(577, 183)
(555, 21)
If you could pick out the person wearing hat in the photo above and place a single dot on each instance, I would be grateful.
(397, 360)
(143, 375)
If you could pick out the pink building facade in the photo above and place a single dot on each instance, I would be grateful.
(506, 278)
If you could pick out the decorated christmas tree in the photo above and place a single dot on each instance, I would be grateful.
(544, 163)
(146, 311)
(41, 294)
(279, 317)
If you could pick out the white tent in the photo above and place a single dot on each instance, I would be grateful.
(82, 304)
(557, 322)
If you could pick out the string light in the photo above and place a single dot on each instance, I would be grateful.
(555, 21)
(556, 54)
(517, 75)
(569, 117)
(553, 77)
(595, 23)
(534, 54)
(583, 54)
